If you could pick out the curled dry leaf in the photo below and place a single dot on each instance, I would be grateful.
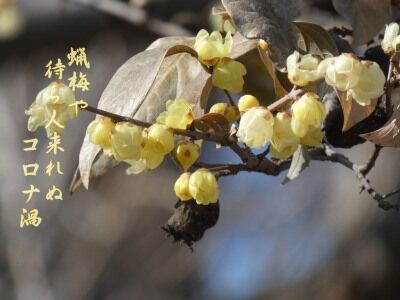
(269, 20)
(212, 122)
(353, 112)
(389, 134)
(367, 17)
(315, 35)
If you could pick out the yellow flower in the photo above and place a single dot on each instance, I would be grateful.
(313, 137)
(150, 156)
(298, 128)
(341, 72)
(231, 113)
(179, 114)
(181, 187)
(302, 69)
(187, 153)
(284, 153)
(219, 108)
(256, 127)
(203, 187)
(99, 131)
(246, 102)
(391, 40)
(161, 138)
(212, 47)
(370, 85)
(126, 141)
(283, 136)
(228, 75)
(52, 101)
(309, 110)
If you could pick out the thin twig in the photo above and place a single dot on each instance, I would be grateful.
(230, 99)
(370, 163)
(289, 97)
(195, 135)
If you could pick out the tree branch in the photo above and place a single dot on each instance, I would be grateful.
(291, 96)
(134, 15)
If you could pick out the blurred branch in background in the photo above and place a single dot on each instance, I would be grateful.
(134, 15)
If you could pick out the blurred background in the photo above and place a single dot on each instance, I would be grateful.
(315, 238)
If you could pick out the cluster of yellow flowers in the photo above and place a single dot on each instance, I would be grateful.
(286, 130)
(145, 149)
(363, 80)
(201, 186)
(52, 109)
(213, 50)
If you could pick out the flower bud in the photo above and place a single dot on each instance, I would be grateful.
(179, 114)
(181, 187)
(313, 137)
(302, 70)
(263, 44)
(99, 131)
(161, 138)
(309, 110)
(370, 85)
(283, 136)
(246, 102)
(228, 75)
(341, 72)
(126, 141)
(187, 153)
(230, 112)
(219, 108)
(203, 187)
(212, 47)
(54, 99)
(389, 44)
(256, 127)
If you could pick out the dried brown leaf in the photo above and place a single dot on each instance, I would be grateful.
(353, 112)
(269, 20)
(389, 134)
(212, 122)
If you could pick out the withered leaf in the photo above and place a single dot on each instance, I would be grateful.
(389, 134)
(353, 112)
(269, 20)
(212, 122)
(315, 34)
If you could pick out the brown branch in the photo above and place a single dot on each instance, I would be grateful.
(195, 135)
(370, 163)
(134, 15)
(331, 155)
